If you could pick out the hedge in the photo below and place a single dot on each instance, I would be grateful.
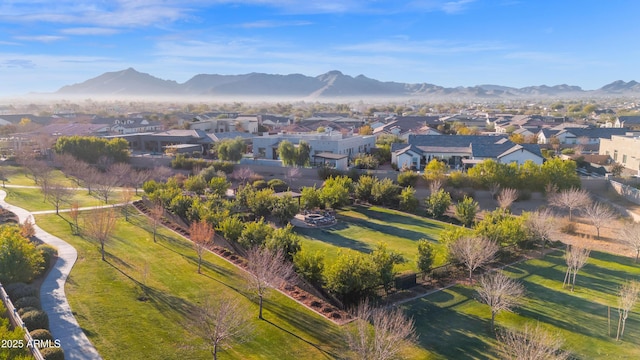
(52, 353)
(36, 319)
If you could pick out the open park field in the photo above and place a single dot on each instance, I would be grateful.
(106, 296)
(453, 325)
(362, 228)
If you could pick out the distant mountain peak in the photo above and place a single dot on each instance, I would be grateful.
(331, 84)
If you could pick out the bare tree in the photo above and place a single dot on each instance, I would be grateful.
(267, 270)
(121, 171)
(242, 174)
(161, 173)
(139, 177)
(571, 199)
(293, 173)
(507, 197)
(4, 175)
(105, 186)
(27, 228)
(542, 226)
(221, 323)
(74, 212)
(500, 292)
(379, 333)
(99, 225)
(435, 186)
(90, 177)
(58, 194)
(156, 212)
(201, 233)
(599, 214)
(630, 235)
(473, 252)
(575, 257)
(494, 189)
(627, 298)
(532, 343)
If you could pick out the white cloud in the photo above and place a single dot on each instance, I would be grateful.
(403, 45)
(41, 38)
(89, 31)
(273, 24)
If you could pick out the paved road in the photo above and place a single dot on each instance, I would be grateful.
(62, 323)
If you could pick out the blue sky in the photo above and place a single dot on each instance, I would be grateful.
(45, 45)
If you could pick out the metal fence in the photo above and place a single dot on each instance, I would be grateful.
(16, 321)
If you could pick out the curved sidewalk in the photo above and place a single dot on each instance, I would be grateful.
(62, 323)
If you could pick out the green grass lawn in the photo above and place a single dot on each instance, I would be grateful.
(452, 324)
(362, 228)
(18, 176)
(103, 296)
(33, 199)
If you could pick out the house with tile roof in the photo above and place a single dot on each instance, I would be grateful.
(629, 122)
(462, 150)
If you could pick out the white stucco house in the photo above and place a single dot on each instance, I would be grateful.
(462, 150)
(266, 146)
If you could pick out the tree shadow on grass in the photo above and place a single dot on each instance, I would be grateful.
(385, 229)
(564, 310)
(304, 320)
(333, 238)
(398, 218)
(163, 301)
(451, 333)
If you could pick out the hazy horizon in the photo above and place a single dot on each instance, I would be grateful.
(447, 43)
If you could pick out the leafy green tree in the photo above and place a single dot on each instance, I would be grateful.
(261, 202)
(385, 192)
(218, 186)
(231, 228)
(287, 153)
(502, 228)
(425, 257)
(408, 200)
(437, 203)
(303, 153)
(311, 198)
(561, 173)
(255, 234)
(91, 148)
(466, 211)
(352, 276)
(231, 149)
(11, 336)
(309, 265)
(336, 190)
(20, 261)
(364, 187)
(197, 184)
(384, 262)
(435, 170)
(285, 240)
(284, 208)
(407, 178)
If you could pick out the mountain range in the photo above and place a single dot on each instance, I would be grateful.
(333, 84)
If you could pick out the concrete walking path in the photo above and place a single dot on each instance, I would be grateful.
(62, 323)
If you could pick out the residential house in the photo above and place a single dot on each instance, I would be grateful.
(135, 125)
(340, 144)
(158, 142)
(624, 149)
(462, 150)
(403, 126)
(628, 122)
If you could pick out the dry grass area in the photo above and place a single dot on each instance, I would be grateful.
(585, 236)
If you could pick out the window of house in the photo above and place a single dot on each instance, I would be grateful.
(624, 159)
(615, 155)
